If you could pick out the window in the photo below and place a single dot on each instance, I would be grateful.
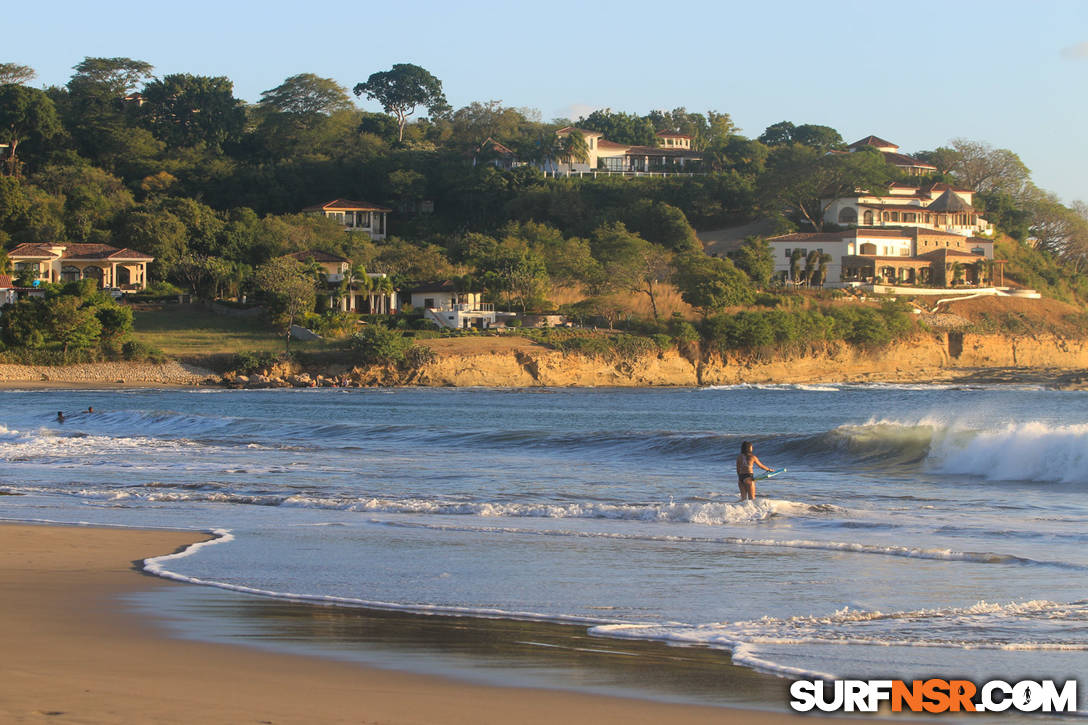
(847, 215)
(868, 218)
(910, 216)
(895, 216)
(788, 253)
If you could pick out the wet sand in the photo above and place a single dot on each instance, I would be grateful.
(75, 652)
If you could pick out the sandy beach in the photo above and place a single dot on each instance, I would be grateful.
(75, 653)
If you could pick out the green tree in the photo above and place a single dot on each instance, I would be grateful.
(572, 147)
(629, 262)
(185, 110)
(807, 181)
(403, 88)
(27, 115)
(305, 95)
(15, 74)
(710, 284)
(625, 128)
(72, 324)
(289, 292)
(754, 258)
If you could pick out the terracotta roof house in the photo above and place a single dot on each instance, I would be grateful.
(673, 153)
(909, 164)
(354, 216)
(110, 267)
(890, 256)
(936, 206)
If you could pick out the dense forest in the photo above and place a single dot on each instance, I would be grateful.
(177, 167)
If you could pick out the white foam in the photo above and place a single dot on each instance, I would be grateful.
(156, 566)
(1031, 451)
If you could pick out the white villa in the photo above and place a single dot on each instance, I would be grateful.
(354, 216)
(110, 267)
(891, 256)
(672, 153)
(443, 305)
(373, 301)
(937, 206)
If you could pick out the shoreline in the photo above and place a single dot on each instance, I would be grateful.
(86, 655)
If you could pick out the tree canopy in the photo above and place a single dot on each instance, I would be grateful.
(403, 88)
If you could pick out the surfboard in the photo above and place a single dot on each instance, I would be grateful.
(769, 474)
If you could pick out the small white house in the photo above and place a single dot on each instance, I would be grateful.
(354, 216)
(443, 305)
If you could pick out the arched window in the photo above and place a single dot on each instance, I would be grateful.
(94, 273)
(848, 215)
(69, 274)
(868, 248)
(868, 217)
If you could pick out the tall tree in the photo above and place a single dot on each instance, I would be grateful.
(15, 74)
(981, 167)
(112, 78)
(305, 95)
(808, 181)
(289, 290)
(403, 88)
(26, 115)
(629, 262)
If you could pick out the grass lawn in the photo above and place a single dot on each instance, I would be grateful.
(190, 330)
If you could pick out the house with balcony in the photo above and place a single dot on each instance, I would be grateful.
(935, 206)
(354, 216)
(672, 153)
(375, 296)
(444, 305)
(903, 256)
(110, 267)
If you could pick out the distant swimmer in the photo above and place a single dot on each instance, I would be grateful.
(90, 408)
(746, 462)
(60, 416)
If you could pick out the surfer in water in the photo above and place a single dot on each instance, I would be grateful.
(746, 463)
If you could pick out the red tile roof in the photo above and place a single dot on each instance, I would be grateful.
(346, 205)
(904, 160)
(6, 281)
(872, 141)
(672, 134)
(79, 251)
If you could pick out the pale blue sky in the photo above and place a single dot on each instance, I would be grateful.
(1011, 74)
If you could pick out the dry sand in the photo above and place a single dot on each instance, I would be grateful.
(74, 653)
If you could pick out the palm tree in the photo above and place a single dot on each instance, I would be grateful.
(821, 271)
(812, 261)
(573, 146)
(795, 264)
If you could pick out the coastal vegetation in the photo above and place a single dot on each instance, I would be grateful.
(212, 187)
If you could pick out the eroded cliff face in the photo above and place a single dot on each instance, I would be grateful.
(930, 358)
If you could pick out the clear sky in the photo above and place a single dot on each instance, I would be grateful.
(1009, 73)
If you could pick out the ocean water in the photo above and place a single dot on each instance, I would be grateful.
(919, 531)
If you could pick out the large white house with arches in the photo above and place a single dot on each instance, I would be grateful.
(936, 206)
(110, 267)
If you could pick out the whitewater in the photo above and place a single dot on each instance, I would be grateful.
(920, 531)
